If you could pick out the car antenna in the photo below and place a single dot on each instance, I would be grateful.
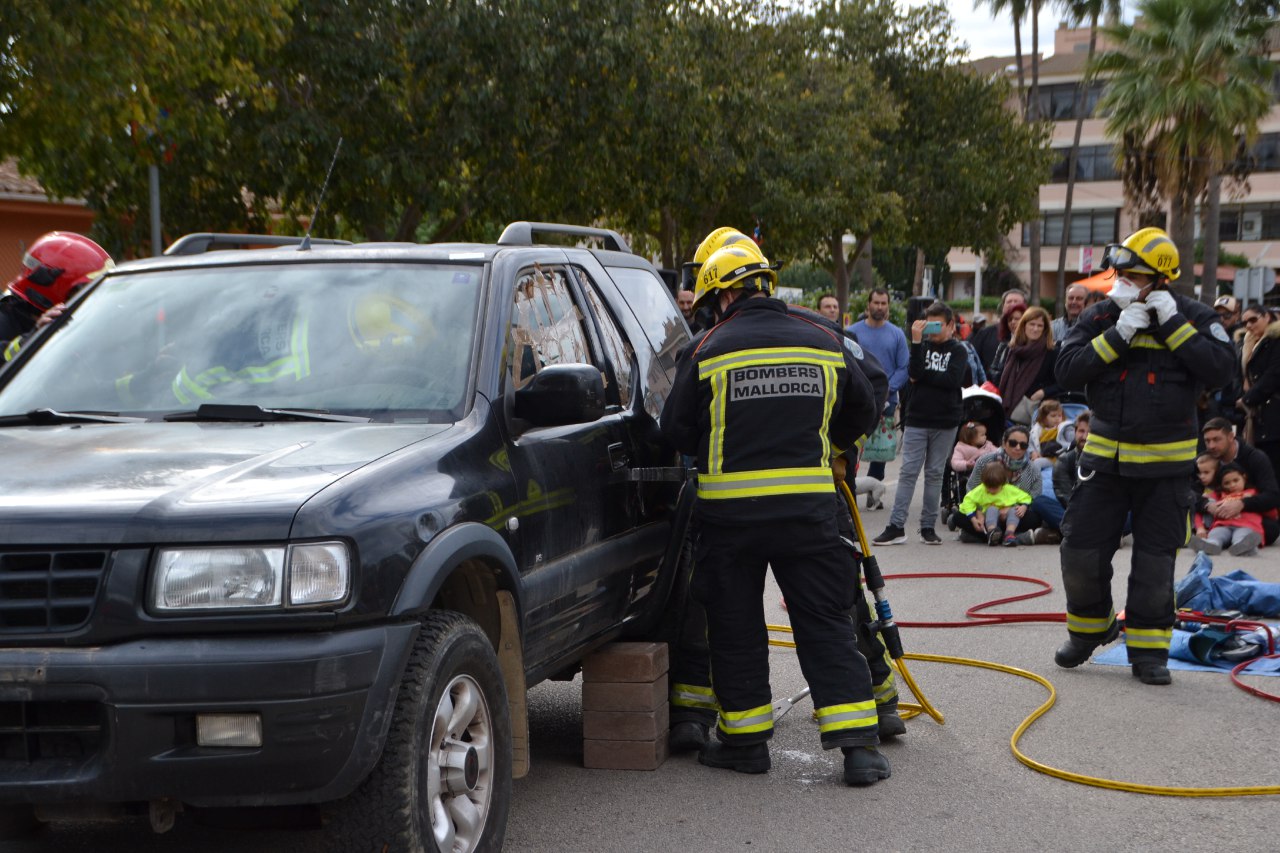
(306, 239)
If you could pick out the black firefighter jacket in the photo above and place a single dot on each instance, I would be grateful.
(764, 400)
(1144, 393)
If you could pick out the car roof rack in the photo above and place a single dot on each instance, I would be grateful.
(198, 244)
(521, 234)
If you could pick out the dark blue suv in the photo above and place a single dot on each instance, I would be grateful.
(300, 525)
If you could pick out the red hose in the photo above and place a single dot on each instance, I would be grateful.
(975, 615)
(1261, 694)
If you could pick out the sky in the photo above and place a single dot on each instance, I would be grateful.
(987, 37)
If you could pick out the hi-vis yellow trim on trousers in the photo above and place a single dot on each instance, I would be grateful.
(716, 372)
(1147, 638)
(1089, 624)
(1132, 452)
(855, 715)
(693, 696)
(747, 722)
(755, 484)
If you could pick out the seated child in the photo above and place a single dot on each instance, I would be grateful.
(1207, 473)
(994, 503)
(971, 444)
(1045, 446)
(1241, 535)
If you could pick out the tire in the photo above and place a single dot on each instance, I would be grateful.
(18, 821)
(443, 784)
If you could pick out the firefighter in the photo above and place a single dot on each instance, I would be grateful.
(693, 709)
(764, 401)
(52, 269)
(1143, 357)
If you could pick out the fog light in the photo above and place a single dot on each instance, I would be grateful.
(229, 729)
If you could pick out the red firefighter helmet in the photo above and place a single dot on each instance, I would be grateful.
(55, 265)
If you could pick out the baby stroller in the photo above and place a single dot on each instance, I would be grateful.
(986, 408)
(1074, 404)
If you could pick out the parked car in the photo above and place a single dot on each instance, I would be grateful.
(300, 524)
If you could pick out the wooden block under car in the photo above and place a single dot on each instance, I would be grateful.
(626, 725)
(629, 662)
(624, 754)
(624, 695)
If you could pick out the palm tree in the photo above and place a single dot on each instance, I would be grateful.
(1183, 90)
(1077, 12)
(1018, 10)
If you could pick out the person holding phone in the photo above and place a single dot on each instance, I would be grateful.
(1143, 357)
(938, 369)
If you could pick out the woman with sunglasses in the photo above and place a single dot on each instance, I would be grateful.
(1042, 514)
(1143, 358)
(1260, 380)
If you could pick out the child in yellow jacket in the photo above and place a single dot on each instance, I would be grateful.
(996, 503)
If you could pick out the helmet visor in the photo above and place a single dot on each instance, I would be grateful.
(1122, 258)
(689, 275)
(38, 273)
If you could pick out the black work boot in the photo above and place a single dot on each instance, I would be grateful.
(1152, 672)
(864, 765)
(891, 726)
(753, 758)
(687, 736)
(1076, 651)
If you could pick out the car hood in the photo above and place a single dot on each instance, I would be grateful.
(108, 484)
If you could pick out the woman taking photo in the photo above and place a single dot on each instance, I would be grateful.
(1027, 377)
(1260, 380)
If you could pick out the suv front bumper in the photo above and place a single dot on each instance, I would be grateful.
(117, 723)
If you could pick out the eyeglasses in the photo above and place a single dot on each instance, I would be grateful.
(1255, 318)
(1017, 445)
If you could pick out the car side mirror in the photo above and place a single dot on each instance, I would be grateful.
(562, 394)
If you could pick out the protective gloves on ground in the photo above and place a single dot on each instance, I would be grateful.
(1163, 303)
(1133, 319)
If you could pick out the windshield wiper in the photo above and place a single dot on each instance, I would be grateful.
(250, 414)
(40, 417)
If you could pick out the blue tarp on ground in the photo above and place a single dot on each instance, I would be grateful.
(1181, 657)
(1236, 590)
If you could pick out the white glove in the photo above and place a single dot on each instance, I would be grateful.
(1164, 304)
(1132, 320)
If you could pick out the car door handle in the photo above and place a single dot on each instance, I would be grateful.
(618, 457)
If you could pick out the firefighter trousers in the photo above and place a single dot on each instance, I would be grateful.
(819, 582)
(1091, 529)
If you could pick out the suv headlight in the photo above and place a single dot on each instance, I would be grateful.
(251, 577)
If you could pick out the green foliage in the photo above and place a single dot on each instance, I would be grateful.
(1183, 89)
(807, 276)
(456, 118)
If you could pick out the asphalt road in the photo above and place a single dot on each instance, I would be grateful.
(955, 786)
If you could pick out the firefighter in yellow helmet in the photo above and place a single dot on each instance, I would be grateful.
(763, 401)
(1143, 357)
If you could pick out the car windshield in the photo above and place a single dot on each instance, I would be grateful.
(388, 341)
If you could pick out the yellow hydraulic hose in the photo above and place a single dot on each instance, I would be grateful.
(1078, 778)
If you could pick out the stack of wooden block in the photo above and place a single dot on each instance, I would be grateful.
(624, 707)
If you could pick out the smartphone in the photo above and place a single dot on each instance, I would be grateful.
(933, 327)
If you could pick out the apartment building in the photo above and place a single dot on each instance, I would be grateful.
(1250, 220)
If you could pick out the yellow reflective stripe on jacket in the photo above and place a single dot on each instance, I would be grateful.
(13, 348)
(1104, 350)
(768, 355)
(775, 481)
(719, 399)
(1135, 453)
(1180, 336)
(693, 696)
(1089, 624)
(296, 364)
(1147, 638)
(746, 722)
(854, 715)
(828, 406)
(1145, 341)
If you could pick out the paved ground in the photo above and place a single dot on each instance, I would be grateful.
(954, 787)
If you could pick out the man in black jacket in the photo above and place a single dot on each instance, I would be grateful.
(763, 400)
(1143, 357)
(1221, 443)
(1066, 469)
(936, 373)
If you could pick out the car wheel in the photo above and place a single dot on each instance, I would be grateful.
(444, 780)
